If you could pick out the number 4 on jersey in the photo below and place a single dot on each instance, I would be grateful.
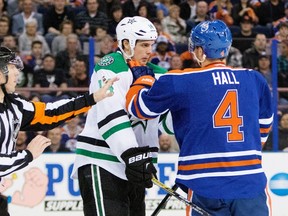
(227, 116)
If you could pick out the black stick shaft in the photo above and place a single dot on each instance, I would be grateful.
(163, 203)
(179, 197)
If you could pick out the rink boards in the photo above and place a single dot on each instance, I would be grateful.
(45, 187)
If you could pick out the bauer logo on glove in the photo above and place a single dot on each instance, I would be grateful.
(140, 157)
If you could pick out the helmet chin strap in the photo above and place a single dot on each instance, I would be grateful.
(198, 60)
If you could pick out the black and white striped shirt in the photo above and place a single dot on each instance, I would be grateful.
(24, 115)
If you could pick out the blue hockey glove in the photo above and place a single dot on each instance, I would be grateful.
(138, 70)
(139, 166)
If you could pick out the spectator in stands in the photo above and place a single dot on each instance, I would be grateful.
(116, 17)
(59, 42)
(234, 58)
(251, 55)
(89, 18)
(282, 68)
(4, 28)
(157, 23)
(70, 131)
(201, 15)
(174, 25)
(107, 5)
(32, 63)
(10, 42)
(130, 8)
(270, 11)
(65, 58)
(264, 67)
(282, 60)
(244, 39)
(222, 10)
(162, 56)
(241, 9)
(176, 63)
(106, 46)
(98, 34)
(20, 19)
(26, 38)
(21, 142)
(143, 10)
(3, 8)
(51, 77)
(282, 33)
(81, 78)
(282, 19)
(188, 10)
(14, 7)
(43, 6)
(282, 135)
(55, 136)
(55, 15)
(166, 143)
(162, 8)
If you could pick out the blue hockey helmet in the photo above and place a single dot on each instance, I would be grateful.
(213, 36)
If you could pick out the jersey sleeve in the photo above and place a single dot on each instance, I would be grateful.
(266, 113)
(39, 116)
(143, 101)
(14, 161)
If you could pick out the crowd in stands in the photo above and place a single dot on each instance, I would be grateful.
(51, 36)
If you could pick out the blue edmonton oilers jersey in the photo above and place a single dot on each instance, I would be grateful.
(221, 116)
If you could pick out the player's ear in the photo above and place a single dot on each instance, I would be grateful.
(126, 46)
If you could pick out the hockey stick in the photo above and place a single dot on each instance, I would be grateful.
(163, 203)
(179, 197)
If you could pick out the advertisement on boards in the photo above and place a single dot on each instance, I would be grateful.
(45, 187)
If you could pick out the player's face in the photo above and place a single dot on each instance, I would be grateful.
(142, 51)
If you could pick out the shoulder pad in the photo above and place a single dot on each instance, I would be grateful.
(113, 62)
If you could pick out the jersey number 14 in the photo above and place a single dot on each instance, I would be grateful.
(227, 116)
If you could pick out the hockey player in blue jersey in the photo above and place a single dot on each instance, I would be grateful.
(221, 118)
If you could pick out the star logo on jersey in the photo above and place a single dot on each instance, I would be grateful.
(131, 21)
(138, 122)
(106, 60)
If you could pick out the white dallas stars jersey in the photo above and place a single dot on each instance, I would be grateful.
(109, 130)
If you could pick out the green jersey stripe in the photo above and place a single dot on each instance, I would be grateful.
(97, 155)
(115, 129)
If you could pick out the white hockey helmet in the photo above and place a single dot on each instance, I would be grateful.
(133, 29)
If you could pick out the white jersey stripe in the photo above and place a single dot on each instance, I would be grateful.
(222, 154)
(219, 174)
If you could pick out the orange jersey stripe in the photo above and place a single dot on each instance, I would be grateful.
(132, 91)
(41, 118)
(265, 130)
(219, 164)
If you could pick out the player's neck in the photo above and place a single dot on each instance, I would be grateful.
(214, 61)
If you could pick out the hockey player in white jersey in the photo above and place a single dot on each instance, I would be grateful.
(115, 151)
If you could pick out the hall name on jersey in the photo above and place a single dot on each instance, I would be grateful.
(224, 78)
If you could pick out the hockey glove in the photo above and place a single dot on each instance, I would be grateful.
(139, 166)
(138, 70)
